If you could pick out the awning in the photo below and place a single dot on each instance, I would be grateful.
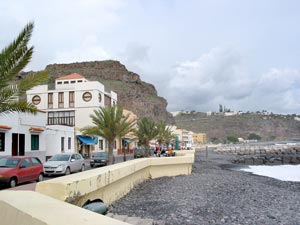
(4, 127)
(36, 129)
(128, 140)
(86, 140)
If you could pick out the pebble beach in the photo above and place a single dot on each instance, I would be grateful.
(215, 193)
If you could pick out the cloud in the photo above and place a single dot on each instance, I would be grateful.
(216, 77)
(88, 50)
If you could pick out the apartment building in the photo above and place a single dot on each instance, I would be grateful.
(71, 103)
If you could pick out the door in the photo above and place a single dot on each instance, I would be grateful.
(18, 144)
(15, 144)
(25, 171)
(21, 144)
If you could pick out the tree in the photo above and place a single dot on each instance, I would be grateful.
(254, 136)
(109, 123)
(13, 59)
(164, 134)
(146, 131)
(232, 139)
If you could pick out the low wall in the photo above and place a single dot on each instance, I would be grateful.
(49, 205)
(110, 183)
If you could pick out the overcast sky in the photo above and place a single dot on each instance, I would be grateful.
(244, 54)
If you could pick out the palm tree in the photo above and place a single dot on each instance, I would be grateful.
(13, 59)
(146, 131)
(109, 123)
(165, 135)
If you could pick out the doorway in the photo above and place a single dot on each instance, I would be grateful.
(18, 144)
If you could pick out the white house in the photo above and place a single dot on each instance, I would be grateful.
(27, 134)
(70, 103)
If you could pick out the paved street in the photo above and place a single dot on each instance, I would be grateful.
(31, 185)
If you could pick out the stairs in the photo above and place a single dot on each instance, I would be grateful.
(135, 220)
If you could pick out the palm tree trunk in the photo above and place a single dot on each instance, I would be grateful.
(110, 152)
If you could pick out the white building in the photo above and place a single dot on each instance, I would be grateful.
(71, 103)
(27, 134)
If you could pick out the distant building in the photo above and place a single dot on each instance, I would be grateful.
(199, 138)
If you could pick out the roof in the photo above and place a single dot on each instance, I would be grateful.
(72, 76)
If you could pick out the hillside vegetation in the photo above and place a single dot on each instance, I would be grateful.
(219, 127)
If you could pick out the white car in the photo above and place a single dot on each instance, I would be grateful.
(64, 163)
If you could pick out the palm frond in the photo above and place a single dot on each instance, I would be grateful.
(30, 81)
(15, 56)
(17, 106)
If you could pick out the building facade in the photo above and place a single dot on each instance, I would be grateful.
(28, 134)
(199, 138)
(71, 103)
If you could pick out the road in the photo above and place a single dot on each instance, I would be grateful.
(31, 185)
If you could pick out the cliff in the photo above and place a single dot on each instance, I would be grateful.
(133, 94)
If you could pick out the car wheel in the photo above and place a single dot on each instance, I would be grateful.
(13, 182)
(68, 171)
(82, 168)
(92, 165)
(40, 178)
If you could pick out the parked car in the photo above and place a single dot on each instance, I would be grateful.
(99, 159)
(19, 169)
(138, 153)
(64, 163)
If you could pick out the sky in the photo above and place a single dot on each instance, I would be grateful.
(243, 54)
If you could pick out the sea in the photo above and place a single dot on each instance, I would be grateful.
(280, 172)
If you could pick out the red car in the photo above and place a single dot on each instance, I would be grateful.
(19, 169)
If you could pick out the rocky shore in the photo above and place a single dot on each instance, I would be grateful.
(214, 194)
(262, 154)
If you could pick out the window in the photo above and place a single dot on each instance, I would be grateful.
(35, 161)
(100, 144)
(36, 99)
(87, 96)
(73, 81)
(62, 144)
(2, 142)
(59, 82)
(71, 99)
(66, 82)
(79, 81)
(50, 100)
(35, 145)
(60, 100)
(61, 118)
(25, 163)
(99, 97)
(69, 143)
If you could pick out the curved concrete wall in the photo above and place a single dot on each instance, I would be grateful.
(50, 206)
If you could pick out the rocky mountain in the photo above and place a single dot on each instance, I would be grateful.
(133, 94)
(218, 127)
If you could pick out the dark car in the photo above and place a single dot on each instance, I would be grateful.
(138, 153)
(99, 159)
(19, 169)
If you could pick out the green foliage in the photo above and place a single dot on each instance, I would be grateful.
(165, 135)
(13, 59)
(109, 123)
(232, 139)
(254, 136)
(215, 140)
(147, 130)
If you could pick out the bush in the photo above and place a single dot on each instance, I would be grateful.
(254, 136)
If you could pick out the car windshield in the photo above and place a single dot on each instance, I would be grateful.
(60, 158)
(9, 162)
(100, 154)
